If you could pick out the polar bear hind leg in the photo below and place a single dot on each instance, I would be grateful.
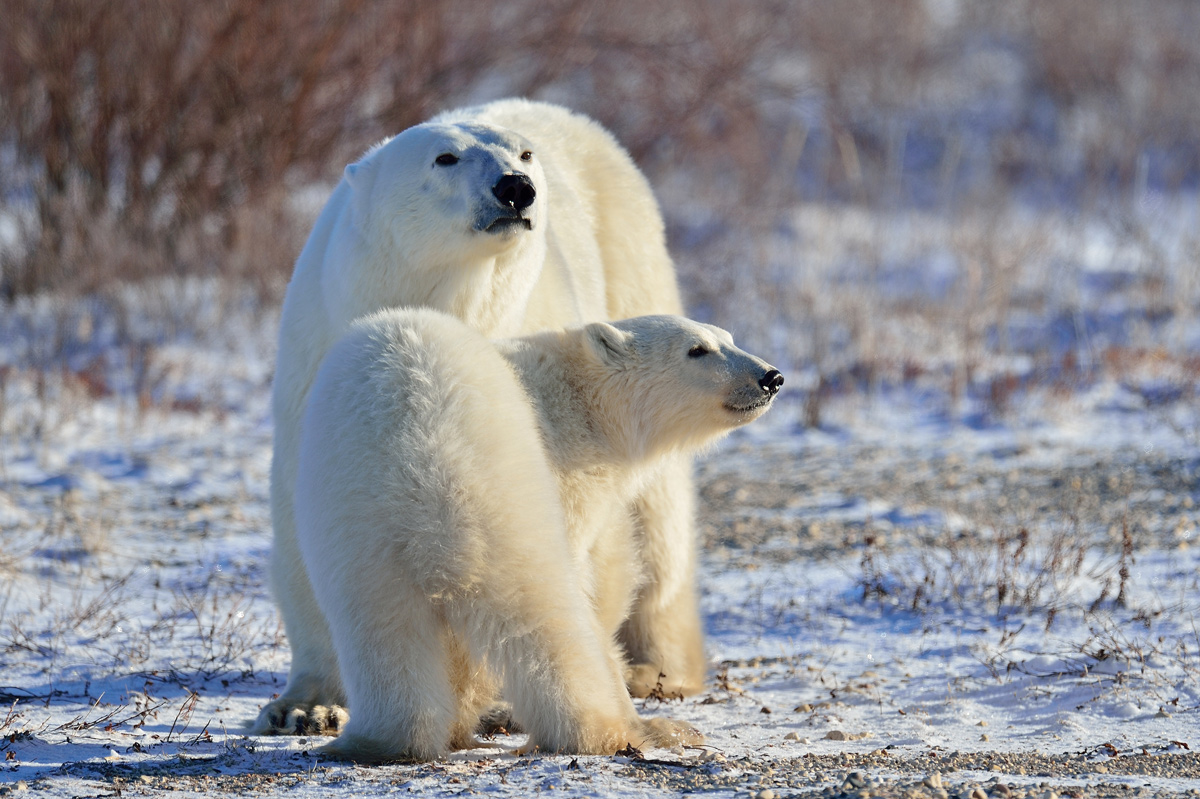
(566, 688)
(405, 706)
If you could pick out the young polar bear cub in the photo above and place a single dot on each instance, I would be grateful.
(462, 508)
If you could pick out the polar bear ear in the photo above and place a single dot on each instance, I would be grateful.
(360, 177)
(608, 343)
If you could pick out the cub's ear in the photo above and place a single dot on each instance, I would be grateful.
(608, 343)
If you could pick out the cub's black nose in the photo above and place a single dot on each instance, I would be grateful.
(515, 190)
(771, 382)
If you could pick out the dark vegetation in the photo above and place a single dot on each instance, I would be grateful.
(166, 137)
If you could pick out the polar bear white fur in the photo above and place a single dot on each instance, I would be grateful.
(424, 220)
(446, 545)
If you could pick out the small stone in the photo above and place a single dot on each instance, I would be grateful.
(981, 724)
(765, 794)
(934, 780)
(978, 793)
(984, 737)
(836, 735)
(805, 708)
(1000, 790)
(857, 779)
(792, 736)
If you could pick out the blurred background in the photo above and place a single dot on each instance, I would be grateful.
(977, 200)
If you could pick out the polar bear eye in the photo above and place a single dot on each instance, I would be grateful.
(527, 156)
(698, 351)
(446, 159)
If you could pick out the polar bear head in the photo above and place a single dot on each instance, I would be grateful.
(448, 195)
(669, 383)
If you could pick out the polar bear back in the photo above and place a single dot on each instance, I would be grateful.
(426, 428)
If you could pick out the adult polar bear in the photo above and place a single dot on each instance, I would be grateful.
(514, 216)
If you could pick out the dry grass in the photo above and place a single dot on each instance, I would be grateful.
(876, 194)
(976, 306)
(92, 624)
(1050, 591)
(1000, 573)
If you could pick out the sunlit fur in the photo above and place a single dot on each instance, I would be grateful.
(462, 508)
(402, 231)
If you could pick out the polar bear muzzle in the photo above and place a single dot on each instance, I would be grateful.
(768, 386)
(515, 190)
(771, 382)
(515, 193)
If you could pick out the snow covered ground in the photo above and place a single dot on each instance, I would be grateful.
(916, 587)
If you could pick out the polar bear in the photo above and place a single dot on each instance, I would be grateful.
(445, 545)
(515, 217)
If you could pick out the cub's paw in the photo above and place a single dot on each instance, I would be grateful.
(285, 717)
(369, 751)
(526, 749)
(667, 733)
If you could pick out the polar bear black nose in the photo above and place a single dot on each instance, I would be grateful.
(771, 381)
(515, 190)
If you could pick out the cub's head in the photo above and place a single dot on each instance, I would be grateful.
(445, 192)
(668, 383)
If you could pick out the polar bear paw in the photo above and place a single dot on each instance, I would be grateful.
(642, 733)
(284, 717)
(497, 719)
(668, 733)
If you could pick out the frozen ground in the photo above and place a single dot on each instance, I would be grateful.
(919, 588)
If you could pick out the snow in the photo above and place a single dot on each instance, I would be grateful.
(137, 635)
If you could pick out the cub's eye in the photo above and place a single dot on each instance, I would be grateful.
(698, 351)
(527, 156)
(446, 159)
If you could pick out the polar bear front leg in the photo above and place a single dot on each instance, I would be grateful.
(313, 701)
(663, 634)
